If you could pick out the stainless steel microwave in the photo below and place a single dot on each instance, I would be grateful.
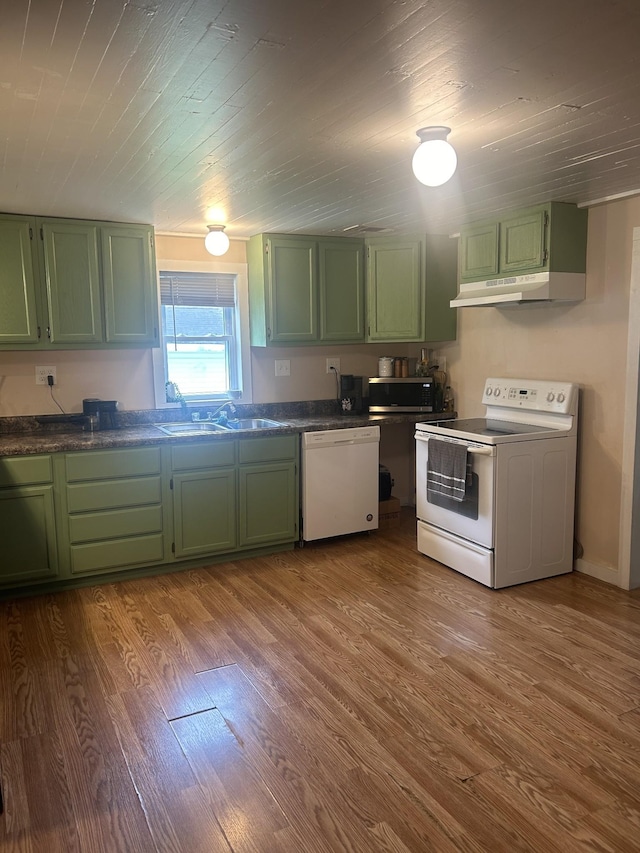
(409, 394)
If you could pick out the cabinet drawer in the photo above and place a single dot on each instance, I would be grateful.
(106, 464)
(117, 554)
(108, 494)
(25, 470)
(213, 454)
(115, 523)
(268, 449)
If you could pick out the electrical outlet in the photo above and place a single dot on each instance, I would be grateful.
(333, 363)
(283, 367)
(42, 373)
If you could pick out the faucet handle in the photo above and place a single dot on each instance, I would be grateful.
(195, 416)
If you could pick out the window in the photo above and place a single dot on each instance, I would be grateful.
(201, 348)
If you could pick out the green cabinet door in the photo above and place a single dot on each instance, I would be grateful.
(268, 504)
(28, 535)
(18, 317)
(395, 290)
(130, 297)
(441, 287)
(204, 510)
(522, 243)
(341, 291)
(292, 278)
(72, 281)
(478, 252)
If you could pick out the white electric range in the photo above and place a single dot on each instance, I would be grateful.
(515, 523)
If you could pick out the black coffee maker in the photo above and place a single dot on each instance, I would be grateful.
(104, 412)
(351, 401)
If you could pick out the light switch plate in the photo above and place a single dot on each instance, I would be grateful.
(283, 367)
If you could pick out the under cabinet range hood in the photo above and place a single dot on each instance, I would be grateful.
(522, 290)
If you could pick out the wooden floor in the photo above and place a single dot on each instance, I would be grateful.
(349, 696)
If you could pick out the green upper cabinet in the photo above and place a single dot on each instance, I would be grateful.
(305, 290)
(547, 238)
(130, 293)
(478, 257)
(72, 280)
(409, 285)
(341, 290)
(75, 284)
(18, 317)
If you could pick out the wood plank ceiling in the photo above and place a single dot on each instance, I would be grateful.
(300, 115)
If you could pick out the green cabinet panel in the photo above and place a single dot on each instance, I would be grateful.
(130, 292)
(18, 317)
(117, 523)
(268, 449)
(106, 464)
(204, 505)
(395, 292)
(522, 243)
(212, 454)
(28, 535)
(440, 319)
(292, 276)
(116, 555)
(305, 290)
(547, 238)
(478, 254)
(341, 291)
(72, 282)
(268, 506)
(107, 494)
(25, 470)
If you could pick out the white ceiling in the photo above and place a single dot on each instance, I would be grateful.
(300, 115)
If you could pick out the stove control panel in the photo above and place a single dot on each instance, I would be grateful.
(531, 394)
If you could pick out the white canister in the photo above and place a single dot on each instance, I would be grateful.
(385, 366)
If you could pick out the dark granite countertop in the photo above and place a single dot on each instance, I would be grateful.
(43, 440)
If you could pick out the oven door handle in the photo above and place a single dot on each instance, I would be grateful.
(489, 450)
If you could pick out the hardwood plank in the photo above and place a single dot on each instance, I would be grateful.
(242, 803)
(178, 814)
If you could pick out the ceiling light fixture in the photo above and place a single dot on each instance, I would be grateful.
(216, 242)
(435, 160)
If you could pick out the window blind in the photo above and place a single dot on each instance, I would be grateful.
(198, 288)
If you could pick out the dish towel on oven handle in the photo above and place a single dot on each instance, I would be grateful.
(447, 469)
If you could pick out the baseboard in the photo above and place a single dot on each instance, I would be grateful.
(601, 573)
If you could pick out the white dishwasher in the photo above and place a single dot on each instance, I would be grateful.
(340, 482)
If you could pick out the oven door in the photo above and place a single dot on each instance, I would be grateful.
(471, 518)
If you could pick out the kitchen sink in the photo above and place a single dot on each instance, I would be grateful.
(190, 427)
(253, 423)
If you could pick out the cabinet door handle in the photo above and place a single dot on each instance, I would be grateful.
(39, 332)
(49, 332)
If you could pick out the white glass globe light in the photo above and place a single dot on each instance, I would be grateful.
(216, 242)
(435, 160)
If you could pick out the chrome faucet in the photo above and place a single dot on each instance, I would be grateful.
(227, 408)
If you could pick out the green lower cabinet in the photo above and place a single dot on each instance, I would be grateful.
(28, 535)
(267, 504)
(113, 510)
(204, 512)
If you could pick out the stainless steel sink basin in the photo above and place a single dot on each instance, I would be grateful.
(190, 428)
(253, 423)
